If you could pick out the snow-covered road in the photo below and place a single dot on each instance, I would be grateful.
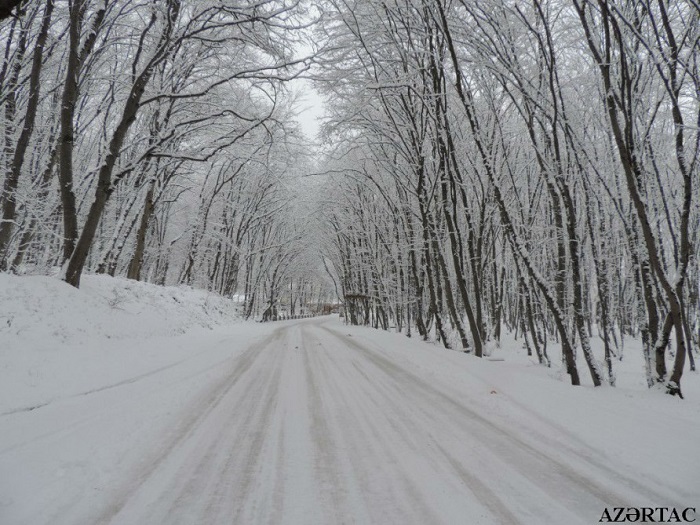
(306, 422)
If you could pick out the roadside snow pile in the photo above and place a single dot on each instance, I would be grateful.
(57, 341)
(43, 311)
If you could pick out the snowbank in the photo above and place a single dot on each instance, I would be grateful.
(56, 340)
(45, 311)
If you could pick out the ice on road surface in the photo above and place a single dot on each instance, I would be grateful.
(308, 424)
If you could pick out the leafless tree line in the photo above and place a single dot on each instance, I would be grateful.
(528, 164)
(150, 139)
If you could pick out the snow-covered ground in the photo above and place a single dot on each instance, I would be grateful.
(128, 403)
(57, 341)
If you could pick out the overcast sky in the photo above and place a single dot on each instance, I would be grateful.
(310, 109)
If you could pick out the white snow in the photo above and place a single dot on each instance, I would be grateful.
(128, 403)
(56, 340)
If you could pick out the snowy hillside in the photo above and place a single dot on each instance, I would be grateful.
(55, 339)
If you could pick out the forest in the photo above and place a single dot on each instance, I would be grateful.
(490, 166)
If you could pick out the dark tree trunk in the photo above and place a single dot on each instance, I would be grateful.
(9, 209)
(136, 262)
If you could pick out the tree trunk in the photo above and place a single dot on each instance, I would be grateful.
(136, 263)
(12, 180)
